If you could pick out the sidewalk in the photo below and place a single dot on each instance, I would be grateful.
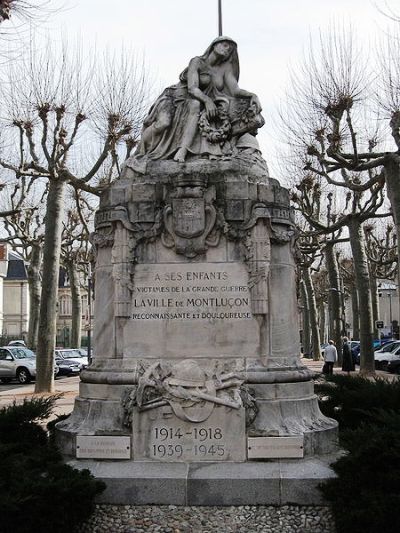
(67, 386)
(316, 366)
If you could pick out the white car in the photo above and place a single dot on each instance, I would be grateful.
(386, 354)
(17, 343)
(72, 354)
(18, 363)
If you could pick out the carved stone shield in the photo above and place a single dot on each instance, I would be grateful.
(189, 217)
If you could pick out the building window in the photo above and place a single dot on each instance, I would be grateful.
(65, 305)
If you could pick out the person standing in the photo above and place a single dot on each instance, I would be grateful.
(330, 357)
(348, 363)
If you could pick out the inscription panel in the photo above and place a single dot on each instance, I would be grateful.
(160, 436)
(275, 447)
(193, 291)
(103, 447)
(190, 310)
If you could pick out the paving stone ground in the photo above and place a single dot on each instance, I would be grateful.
(238, 519)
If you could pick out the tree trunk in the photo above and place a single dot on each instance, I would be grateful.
(367, 363)
(322, 325)
(343, 321)
(356, 313)
(392, 176)
(306, 321)
(34, 282)
(375, 306)
(48, 302)
(312, 305)
(334, 299)
(76, 325)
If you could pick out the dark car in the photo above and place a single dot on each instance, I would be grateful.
(67, 367)
(394, 366)
(355, 351)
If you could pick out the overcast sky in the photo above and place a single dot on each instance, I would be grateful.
(271, 34)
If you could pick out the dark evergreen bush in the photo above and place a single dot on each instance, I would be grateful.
(353, 400)
(37, 491)
(365, 497)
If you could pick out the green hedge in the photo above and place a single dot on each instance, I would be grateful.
(353, 400)
(38, 492)
(365, 495)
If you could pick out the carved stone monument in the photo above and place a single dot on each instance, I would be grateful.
(196, 338)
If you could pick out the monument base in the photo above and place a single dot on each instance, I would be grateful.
(279, 482)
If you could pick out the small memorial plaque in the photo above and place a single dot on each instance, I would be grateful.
(275, 447)
(160, 436)
(103, 447)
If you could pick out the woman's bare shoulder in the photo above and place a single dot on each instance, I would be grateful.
(195, 62)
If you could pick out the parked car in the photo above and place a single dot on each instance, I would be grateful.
(17, 343)
(384, 344)
(67, 367)
(73, 355)
(382, 357)
(18, 363)
(355, 351)
(387, 348)
(394, 366)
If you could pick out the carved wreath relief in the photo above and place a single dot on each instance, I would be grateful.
(190, 391)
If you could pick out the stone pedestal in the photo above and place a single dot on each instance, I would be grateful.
(278, 482)
(196, 337)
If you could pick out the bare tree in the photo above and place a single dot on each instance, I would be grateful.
(309, 198)
(76, 256)
(60, 109)
(381, 251)
(23, 225)
(309, 247)
(359, 208)
(346, 268)
(24, 10)
(321, 285)
(328, 127)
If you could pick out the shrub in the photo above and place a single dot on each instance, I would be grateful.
(37, 491)
(365, 495)
(353, 400)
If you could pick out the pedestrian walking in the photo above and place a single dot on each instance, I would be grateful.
(330, 357)
(348, 363)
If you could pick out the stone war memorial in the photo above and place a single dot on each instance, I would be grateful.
(196, 394)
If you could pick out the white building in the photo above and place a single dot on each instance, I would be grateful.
(15, 294)
(388, 305)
